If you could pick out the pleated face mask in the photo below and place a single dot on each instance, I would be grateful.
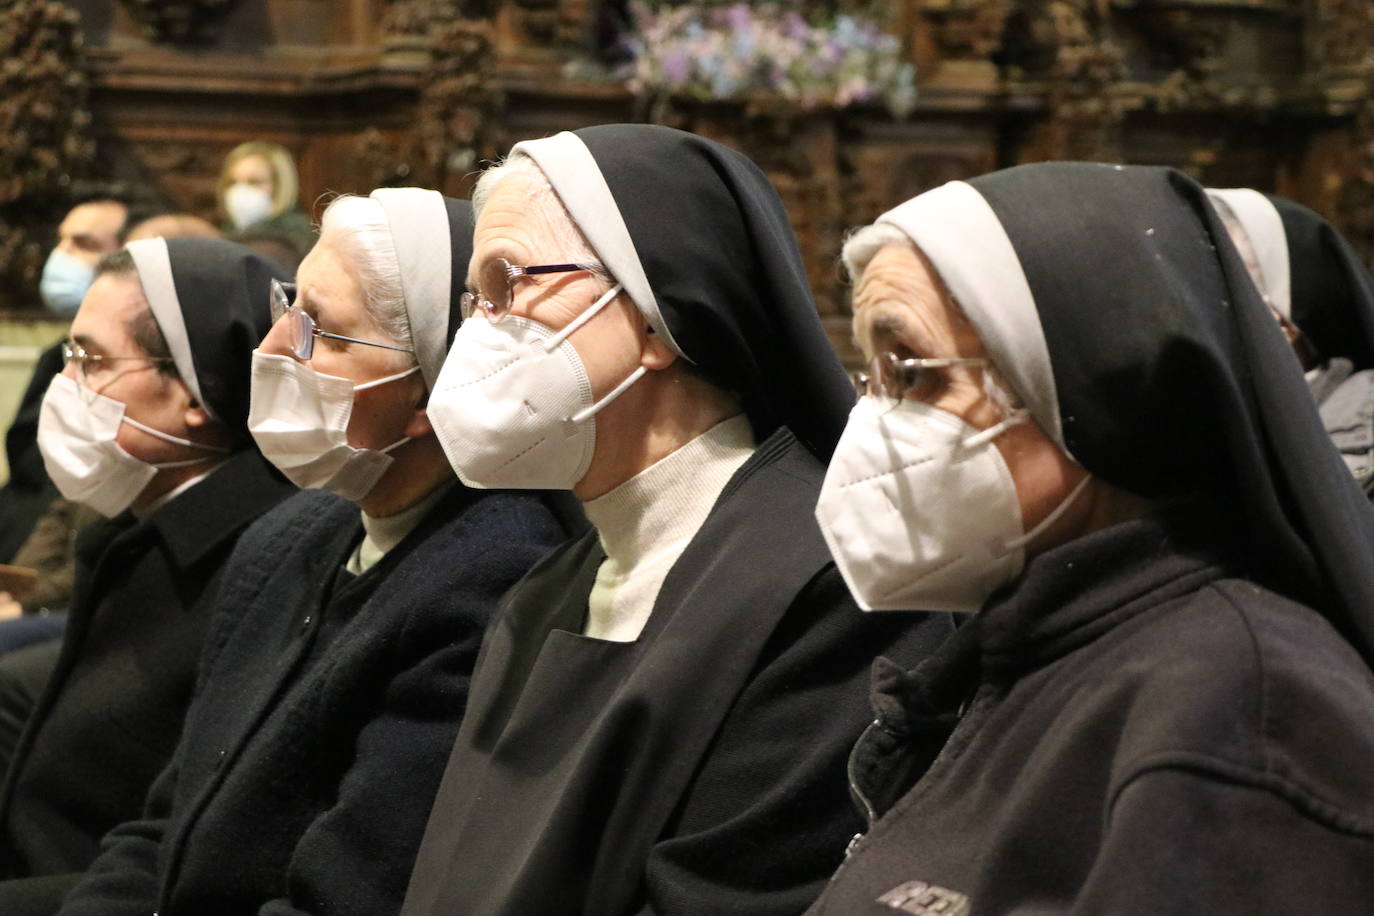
(513, 405)
(77, 429)
(920, 510)
(299, 419)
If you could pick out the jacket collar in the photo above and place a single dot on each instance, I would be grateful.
(1066, 598)
(1074, 593)
(198, 520)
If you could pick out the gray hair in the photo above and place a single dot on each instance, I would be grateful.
(864, 243)
(357, 228)
(544, 201)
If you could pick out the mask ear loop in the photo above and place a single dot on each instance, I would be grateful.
(555, 340)
(1048, 520)
(175, 440)
(1015, 418)
(614, 393)
(382, 381)
(386, 378)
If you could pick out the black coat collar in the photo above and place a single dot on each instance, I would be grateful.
(198, 520)
(1066, 598)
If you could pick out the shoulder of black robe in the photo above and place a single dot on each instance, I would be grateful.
(209, 298)
(707, 253)
(1332, 291)
(1169, 377)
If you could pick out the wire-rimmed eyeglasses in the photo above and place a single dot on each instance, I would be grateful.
(498, 280)
(304, 330)
(891, 378)
(93, 365)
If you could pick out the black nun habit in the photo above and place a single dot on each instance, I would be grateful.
(209, 299)
(1309, 274)
(1170, 713)
(328, 700)
(699, 767)
(110, 714)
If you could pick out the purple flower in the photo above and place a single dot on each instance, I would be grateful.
(677, 66)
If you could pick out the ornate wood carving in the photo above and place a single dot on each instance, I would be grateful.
(1354, 185)
(458, 106)
(956, 39)
(44, 134)
(374, 92)
(180, 21)
(1066, 44)
(1340, 34)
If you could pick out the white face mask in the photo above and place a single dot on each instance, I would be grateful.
(920, 510)
(513, 404)
(299, 419)
(76, 434)
(247, 205)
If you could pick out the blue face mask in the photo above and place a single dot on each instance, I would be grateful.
(64, 283)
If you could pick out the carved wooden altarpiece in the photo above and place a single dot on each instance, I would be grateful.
(1274, 94)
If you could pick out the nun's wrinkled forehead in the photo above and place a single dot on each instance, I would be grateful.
(958, 231)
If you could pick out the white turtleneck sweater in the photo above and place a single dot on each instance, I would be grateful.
(646, 522)
(382, 534)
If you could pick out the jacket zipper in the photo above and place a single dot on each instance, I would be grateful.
(861, 801)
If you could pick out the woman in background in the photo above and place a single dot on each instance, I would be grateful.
(259, 196)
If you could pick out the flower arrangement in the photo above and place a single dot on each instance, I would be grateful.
(710, 51)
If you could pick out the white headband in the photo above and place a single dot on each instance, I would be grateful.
(1260, 219)
(154, 265)
(420, 232)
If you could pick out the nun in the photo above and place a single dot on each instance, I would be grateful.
(1323, 297)
(660, 715)
(1082, 430)
(147, 425)
(351, 616)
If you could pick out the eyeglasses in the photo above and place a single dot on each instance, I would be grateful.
(498, 279)
(94, 365)
(281, 301)
(891, 378)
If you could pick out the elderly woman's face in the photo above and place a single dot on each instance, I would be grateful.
(610, 344)
(328, 290)
(900, 306)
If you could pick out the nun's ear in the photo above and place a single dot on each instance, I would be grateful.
(656, 354)
(196, 416)
(418, 423)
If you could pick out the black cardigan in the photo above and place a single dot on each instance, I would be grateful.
(697, 769)
(1144, 732)
(109, 718)
(326, 708)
